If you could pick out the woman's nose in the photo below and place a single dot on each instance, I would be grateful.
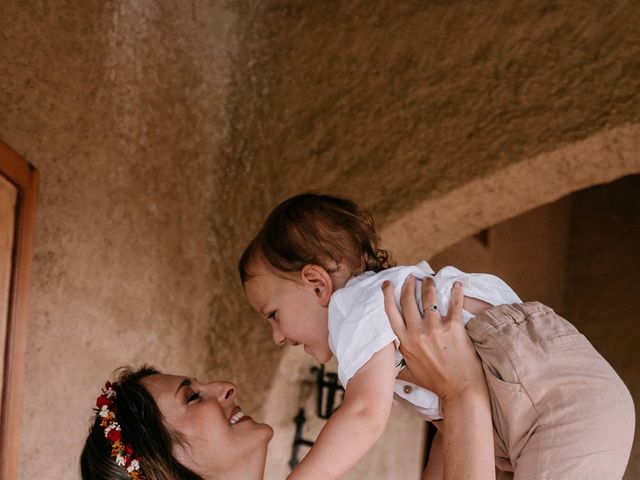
(225, 391)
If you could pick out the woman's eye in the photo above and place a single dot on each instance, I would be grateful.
(193, 397)
(273, 316)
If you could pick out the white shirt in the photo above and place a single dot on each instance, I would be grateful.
(359, 327)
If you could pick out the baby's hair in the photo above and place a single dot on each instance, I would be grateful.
(316, 229)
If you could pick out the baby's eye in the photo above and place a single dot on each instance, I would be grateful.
(193, 397)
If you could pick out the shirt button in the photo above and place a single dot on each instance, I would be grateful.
(408, 389)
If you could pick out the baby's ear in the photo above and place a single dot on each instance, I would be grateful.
(318, 278)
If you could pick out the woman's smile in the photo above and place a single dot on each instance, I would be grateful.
(238, 416)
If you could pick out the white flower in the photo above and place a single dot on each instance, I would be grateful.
(120, 460)
(133, 466)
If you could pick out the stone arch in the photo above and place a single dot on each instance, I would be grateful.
(439, 222)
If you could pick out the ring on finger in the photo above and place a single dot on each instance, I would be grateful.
(433, 308)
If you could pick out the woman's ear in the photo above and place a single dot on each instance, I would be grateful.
(318, 278)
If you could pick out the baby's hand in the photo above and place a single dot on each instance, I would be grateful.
(438, 351)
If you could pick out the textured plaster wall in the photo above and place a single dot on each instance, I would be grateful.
(395, 102)
(165, 131)
(529, 252)
(123, 107)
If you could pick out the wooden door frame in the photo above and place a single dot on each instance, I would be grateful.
(25, 178)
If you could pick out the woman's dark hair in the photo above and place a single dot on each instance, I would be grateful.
(142, 427)
(316, 229)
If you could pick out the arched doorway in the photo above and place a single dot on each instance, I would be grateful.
(581, 256)
(526, 224)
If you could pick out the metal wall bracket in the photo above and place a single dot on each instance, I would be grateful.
(298, 440)
(328, 386)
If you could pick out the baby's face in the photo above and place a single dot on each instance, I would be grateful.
(292, 308)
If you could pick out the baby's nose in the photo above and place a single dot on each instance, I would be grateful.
(278, 338)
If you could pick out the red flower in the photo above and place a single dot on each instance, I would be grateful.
(103, 400)
(114, 435)
(128, 449)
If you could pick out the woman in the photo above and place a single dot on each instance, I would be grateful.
(172, 427)
(154, 426)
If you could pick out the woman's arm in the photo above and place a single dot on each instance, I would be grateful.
(434, 465)
(441, 358)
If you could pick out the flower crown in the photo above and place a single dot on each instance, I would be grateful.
(122, 452)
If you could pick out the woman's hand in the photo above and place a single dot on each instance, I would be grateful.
(441, 358)
(438, 351)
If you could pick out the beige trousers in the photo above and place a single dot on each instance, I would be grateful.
(559, 410)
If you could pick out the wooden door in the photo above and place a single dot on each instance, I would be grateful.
(18, 184)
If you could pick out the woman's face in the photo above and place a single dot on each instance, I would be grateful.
(217, 437)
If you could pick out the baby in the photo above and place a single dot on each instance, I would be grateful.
(315, 273)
